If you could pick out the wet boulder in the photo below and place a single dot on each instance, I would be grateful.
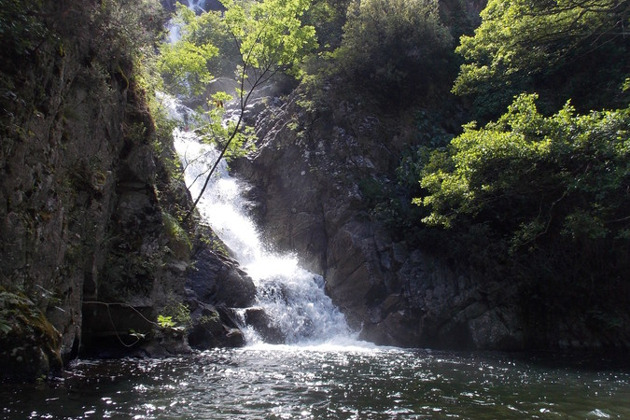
(258, 319)
(212, 327)
(29, 344)
(217, 279)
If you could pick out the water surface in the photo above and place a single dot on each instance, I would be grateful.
(327, 382)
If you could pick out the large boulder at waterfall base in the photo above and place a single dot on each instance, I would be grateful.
(263, 325)
(213, 328)
(217, 279)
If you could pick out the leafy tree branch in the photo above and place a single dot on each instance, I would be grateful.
(269, 37)
(527, 174)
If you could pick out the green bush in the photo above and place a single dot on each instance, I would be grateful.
(559, 49)
(529, 176)
(396, 49)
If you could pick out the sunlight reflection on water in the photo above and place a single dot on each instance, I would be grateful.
(327, 381)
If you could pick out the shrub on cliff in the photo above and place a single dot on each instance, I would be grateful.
(531, 175)
(395, 49)
(561, 50)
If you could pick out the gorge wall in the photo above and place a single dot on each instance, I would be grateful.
(310, 183)
(307, 182)
(93, 247)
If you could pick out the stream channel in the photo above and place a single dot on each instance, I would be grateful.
(327, 382)
(323, 372)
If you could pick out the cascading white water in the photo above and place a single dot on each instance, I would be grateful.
(293, 298)
(174, 35)
(197, 5)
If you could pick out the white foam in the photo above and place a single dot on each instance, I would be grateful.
(292, 297)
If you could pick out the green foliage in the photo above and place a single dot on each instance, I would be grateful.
(181, 314)
(270, 35)
(210, 28)
(184, 64)
(328, 18)
(260, 38)
(175, 316)
(21, 29)
(165, 321)
(263, 37)
(562, 50)
(396, 49)
(528, 175)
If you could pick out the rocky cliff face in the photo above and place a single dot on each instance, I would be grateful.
(63, 138)
(91, 249)
(310, 177)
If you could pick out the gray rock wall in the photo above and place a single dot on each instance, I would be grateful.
(310, 181)
(306, 180)
(62, 139)
(90, 245)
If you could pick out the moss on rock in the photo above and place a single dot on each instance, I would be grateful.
(29, 344)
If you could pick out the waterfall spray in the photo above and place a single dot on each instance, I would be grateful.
(292, 297)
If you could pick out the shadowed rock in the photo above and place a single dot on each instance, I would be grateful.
(260, 321)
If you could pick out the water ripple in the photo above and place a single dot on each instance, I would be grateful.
(278, 382)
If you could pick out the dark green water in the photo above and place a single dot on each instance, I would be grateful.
(279, 382)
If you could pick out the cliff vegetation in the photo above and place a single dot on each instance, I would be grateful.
(95, 252)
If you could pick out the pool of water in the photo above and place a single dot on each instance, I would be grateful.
(327, 382)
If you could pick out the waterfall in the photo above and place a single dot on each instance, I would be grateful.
(197, 5)
(292, 297)
(173, 30)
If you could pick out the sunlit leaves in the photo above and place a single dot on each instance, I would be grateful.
(520, 43)
(529, 35)
(184, 66)
(266, 37)
(528, 173)
(270, 34)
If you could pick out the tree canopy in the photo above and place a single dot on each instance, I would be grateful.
(255, 39)
(395, 49)
(529, 175)
(270, 34)
(539, 171)
(560, 49)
